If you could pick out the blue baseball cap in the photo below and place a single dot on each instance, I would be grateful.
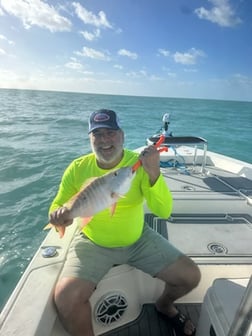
(103, 119)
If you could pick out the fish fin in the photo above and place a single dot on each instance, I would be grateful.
(70, 202)
(112, 209)
(60, 229)
(87, 182)
(48, 226)
(85, 221)
(117, 196)
(113, 206)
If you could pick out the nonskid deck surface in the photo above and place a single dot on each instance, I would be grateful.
(213, 180)
(212, 213)
(226, 235)
(150, 323)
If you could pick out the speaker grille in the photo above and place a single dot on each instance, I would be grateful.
(110, 308)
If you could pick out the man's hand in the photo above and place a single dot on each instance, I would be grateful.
(60, 217)
(151, 161)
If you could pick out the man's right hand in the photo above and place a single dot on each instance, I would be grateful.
(60, 217)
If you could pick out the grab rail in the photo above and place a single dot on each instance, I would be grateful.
(185, 140)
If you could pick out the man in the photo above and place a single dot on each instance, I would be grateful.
(95, 250)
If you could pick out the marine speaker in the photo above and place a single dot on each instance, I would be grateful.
(110, 308)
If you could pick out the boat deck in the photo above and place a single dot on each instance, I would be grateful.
(151, 323)
(223, 229)
(211, 222)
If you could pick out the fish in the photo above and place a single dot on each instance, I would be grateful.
(102, 192)
(97, 194)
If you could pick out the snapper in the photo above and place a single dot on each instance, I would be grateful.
(97, 194)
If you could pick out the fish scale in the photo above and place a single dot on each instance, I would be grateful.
(100, 193)
(95, 196)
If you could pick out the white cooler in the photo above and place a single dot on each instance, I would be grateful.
(220, 305)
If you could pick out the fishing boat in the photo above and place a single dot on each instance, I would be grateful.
(211, 222)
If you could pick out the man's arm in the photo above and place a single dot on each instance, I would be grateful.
(150, 161)
(58, 213)
(156, 193)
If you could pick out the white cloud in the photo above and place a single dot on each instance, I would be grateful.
(117, 66)
(164, 52)
(171, 74)
(2, 52)
(91, 36)
(124, 52)
(7, 75)
(92, 53)
(4, 38)
(137, 74)
(87, 17)
(134, 74)
(155, 78)
(242, 79)
(74, 65)
(221, 13)
(38, 13)
(189, 57)
(168, 72)
(191, 70)
(143, 75)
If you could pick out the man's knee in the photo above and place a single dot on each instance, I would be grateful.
(183, 272)
(188, 272)
(194, 275)
(70, 292)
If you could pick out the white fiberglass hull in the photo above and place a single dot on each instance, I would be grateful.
(211, 222)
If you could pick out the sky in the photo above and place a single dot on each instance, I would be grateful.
(159, 48)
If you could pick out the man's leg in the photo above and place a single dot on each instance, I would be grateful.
(71, 298)
(86, 265)
(180, 278)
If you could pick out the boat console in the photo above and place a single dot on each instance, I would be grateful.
(175, 143)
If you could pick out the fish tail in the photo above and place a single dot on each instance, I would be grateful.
(84, 221)
(48, 226)
(60, 229)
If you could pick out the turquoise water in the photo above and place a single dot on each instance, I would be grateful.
(41, 132)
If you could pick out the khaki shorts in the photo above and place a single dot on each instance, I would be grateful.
(150, 253)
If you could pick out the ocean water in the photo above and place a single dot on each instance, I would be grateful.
(41, 132)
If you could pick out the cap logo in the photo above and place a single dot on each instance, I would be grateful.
(100, 117)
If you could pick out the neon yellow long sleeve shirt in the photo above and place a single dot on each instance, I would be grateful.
(126, 225)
